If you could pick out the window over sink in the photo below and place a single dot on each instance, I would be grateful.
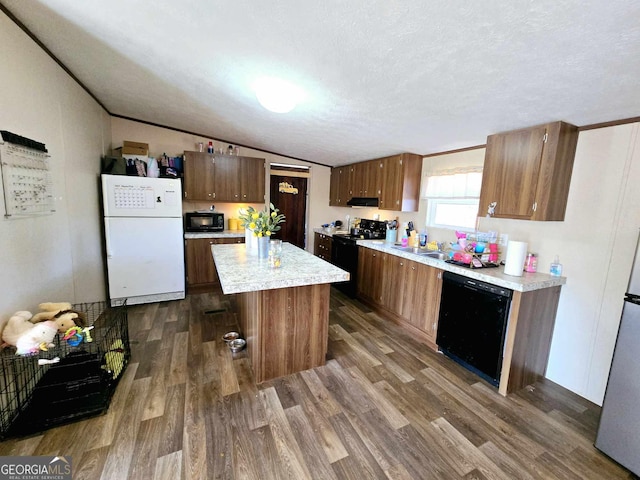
(453, 197)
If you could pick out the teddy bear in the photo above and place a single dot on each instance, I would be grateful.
(61, 313)
(49, 310)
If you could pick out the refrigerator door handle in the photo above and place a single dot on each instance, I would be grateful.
(107, 239)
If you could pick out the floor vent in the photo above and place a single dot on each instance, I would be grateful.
(217, 310)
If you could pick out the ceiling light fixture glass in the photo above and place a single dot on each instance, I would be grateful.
(277, 95)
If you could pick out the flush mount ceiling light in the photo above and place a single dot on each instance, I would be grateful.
(277, 95)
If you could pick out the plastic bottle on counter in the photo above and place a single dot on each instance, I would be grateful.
(210, 148)
(556, 267)
(404, 239)
(531, 263)
(423, 238)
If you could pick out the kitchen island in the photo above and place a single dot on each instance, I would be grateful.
(283, 312)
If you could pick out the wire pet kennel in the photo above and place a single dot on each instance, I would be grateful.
(36, 395)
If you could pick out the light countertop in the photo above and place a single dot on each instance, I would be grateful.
(223, 234)
(241, 271)
(496, 276)
(330, 234)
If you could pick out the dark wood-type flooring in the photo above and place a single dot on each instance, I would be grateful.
(384, 406)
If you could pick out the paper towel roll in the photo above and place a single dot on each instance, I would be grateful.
(516, 255)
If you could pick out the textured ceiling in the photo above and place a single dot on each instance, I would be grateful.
(381, 76)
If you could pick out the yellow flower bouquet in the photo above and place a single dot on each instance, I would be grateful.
(262, 223)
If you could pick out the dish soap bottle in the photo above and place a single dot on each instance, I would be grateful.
(556, 267)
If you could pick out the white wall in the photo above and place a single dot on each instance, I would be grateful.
(596, 243)
(174, 143)
(54, 257)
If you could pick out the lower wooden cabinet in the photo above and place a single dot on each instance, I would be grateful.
(322, 246)
(405, 291)
(371, 265)
(201, 271)
(421, 298)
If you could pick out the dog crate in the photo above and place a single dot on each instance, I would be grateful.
(65, 383)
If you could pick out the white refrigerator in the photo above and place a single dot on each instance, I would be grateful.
(144, 240)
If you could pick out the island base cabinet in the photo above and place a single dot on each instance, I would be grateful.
(286, 329)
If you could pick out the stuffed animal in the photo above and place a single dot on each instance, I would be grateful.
(114, 359)
(39, 337)
(67, 319)
(49, 310)
(61, 313)
(16, 326)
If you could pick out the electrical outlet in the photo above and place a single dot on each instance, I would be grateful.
(503, 239)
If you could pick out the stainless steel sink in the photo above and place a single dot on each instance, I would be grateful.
(421, 253)
(405, 249)
(436, 255)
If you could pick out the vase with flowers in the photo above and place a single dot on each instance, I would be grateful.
(262, 224)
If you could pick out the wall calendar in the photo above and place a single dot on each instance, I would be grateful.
(26, 177)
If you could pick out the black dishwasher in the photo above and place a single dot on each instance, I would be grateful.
(473, 323)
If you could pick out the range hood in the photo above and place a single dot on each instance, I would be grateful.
(363, 202)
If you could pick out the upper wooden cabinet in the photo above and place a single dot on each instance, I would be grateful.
(199, 176)
(400, 182)
(527, 172)
(394, 180)
(223, 178)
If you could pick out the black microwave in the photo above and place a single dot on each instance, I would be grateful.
(204, 222)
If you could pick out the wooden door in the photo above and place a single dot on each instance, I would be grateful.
(334, 187)
(199, 176)
(227, 182)
(390, 190)
(251, 179)
(346, 187)
(393, 283)
(366, 178)
(200, 266)
(422, 298)
(372, 179)
(371, 271)
(289, 194)
(511, 171)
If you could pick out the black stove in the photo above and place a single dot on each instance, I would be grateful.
(368, 230)
(344, 251)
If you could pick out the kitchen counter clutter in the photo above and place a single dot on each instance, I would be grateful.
(283, 312)
(496, 276)
(241, 272)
